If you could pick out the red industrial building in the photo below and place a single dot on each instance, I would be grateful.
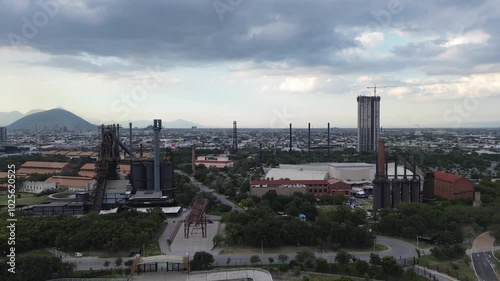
(451, 187)
(317, 188)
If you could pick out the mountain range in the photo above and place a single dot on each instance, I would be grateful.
(7, 118)
(59, 118)
(53, 119)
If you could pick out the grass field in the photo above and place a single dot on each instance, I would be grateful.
(497, 254)
(38, 252)
(447, 266)
(26, 199)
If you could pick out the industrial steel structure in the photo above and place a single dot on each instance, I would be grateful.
(3, 134)
(390, 193)
(196, 218)
(235, 137)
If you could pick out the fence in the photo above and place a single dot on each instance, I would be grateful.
(90, 279)
(174, 232)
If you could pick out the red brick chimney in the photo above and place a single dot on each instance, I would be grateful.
(381, 159)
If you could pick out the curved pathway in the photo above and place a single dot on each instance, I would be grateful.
(397, 248)
(483, 258)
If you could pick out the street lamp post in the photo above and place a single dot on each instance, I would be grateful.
(417, 240)
(262, 245)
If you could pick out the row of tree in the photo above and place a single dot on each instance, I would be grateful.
(333, 229)
(111, 232)
(386, 268)
(443, 222)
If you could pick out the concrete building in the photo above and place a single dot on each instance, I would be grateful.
(37, 186)
(368, 122)
(73, 183)
(214, 161)
(451, 187)
(3, 134)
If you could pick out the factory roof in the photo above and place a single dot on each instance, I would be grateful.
(88, 167)
(446, 176)
(69, 181)
(213, 161)
(351, 165)
(44, 165)
(28, 171)
(4, 175)
(286, 182)
(277, 173)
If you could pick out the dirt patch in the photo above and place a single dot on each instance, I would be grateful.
(483, 241)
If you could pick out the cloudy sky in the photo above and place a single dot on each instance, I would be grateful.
(264, 63)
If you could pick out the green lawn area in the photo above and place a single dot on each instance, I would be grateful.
(447, 266)
(38, 252)
(26, 199)
(497, 254)
(153, 249)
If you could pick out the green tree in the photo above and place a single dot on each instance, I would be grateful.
(343, 258)
(247, 203)
(282, 258)
(391, 267)
(306, 259)
(118, 262)
(201, 260)
(271, 260)
(375, 259)
(218, 239)
(254, 259)
(106, 263)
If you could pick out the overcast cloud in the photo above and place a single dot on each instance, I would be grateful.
(307, 46)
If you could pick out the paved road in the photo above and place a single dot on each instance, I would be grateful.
(482, 257)
(397, 248)
(483, 266)
(204, 188)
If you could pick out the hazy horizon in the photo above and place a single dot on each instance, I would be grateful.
(262, 63)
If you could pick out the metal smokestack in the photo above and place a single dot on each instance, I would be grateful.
(260, 153)
(381, 159)
(309, 139)
(290, 137)
(328, 141)
(140, 150)
(130, 140)
(193, 157)
(157, 129)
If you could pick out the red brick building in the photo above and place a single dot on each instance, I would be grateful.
(317, 188)
(451, 187)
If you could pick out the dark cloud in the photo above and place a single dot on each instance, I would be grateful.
(192, 32)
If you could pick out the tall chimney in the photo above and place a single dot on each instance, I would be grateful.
(328, 142)
(381, 159)
(309, 139)
(193, 157)
(157, 129)
(290, 137)
(140, 150)
(130, 140)
(396, 168)
(260, 153)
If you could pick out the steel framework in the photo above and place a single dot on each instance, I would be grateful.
(196, 218)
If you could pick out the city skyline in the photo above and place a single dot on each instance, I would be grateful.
(260, 62)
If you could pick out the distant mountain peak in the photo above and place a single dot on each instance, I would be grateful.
(52, 119)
